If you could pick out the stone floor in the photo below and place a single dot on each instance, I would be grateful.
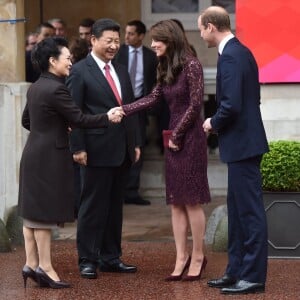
(147, 243)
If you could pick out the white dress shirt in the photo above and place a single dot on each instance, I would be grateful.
(224, 42)
(101, 64)
(139, 77)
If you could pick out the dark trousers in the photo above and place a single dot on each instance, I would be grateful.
(247, 226)
(78, 181)
(99, 227)
(210, 108)
(134, 178)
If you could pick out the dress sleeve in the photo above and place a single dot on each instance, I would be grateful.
(148, 101)
(194, 75)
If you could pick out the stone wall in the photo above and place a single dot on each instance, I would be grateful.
(280, 110)
(12, 140)
(12, 62)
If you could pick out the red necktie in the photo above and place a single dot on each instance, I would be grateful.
(112, 83)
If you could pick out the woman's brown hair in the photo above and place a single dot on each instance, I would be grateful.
(177, 51)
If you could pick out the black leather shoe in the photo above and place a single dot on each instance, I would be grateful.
(224, 281)
(137, 201)
(88, 271)
(244, 287)
(45, 281)
(116, 267)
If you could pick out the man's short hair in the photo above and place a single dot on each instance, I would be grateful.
(43, 25)
(57, 20)
(139, 25)
(104, 24)
(87, 22)
(217, 16)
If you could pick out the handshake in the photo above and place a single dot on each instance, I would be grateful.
(115, 114)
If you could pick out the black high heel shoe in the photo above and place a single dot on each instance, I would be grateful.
(28, 272)
(178, 277)
(196, 277)
(44, 280)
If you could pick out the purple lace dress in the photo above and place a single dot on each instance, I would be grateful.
(186, 169)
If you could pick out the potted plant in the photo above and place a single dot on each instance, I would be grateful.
(280, 169)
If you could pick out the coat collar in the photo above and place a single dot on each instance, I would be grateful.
(53, 76)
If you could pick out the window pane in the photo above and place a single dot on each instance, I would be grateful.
(229, 5)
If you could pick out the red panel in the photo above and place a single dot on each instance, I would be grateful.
(271, 30)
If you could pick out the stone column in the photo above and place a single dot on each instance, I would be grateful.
(12, 99)
(12, 140)
(12, 47)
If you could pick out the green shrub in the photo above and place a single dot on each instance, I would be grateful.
(280, 167)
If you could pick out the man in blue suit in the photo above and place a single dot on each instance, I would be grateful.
(242, 142)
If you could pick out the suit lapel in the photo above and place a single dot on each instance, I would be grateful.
(122, 80)
(100, 79)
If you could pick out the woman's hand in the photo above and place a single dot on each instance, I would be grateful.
(172, 146)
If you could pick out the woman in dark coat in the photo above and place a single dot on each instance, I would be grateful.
(46, 193)
(180, 84)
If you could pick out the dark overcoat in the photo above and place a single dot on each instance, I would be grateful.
(46, 191)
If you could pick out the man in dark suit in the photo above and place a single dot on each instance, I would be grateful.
(97, 85)
(143, 78)
(242, 142)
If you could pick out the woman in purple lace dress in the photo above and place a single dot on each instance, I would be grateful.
(180, 84)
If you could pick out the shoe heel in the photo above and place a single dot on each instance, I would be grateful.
(28, 272)
(179, 277)
(196, 277)
(25, 276)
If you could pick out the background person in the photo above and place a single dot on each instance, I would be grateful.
(143, 79)
(46, 191)
(43, 31)
(180, 84)
(242, 142)
(31, 40)
(85, 29)
(60, 27)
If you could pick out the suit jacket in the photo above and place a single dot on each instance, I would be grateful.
(46, 171)
(92, 93)
(149, 71)
(238, 120)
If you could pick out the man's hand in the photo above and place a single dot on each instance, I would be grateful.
(115, 114)
(80, 158)
(137, 153)
(207, 125)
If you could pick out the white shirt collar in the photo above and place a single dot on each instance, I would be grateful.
(224, 42)
(101, 64)
(131, 49)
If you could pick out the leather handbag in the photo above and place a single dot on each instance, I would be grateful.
(166, 136)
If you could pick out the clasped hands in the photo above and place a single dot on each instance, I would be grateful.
(115, 114)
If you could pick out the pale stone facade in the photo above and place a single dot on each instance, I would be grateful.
(12, 140)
